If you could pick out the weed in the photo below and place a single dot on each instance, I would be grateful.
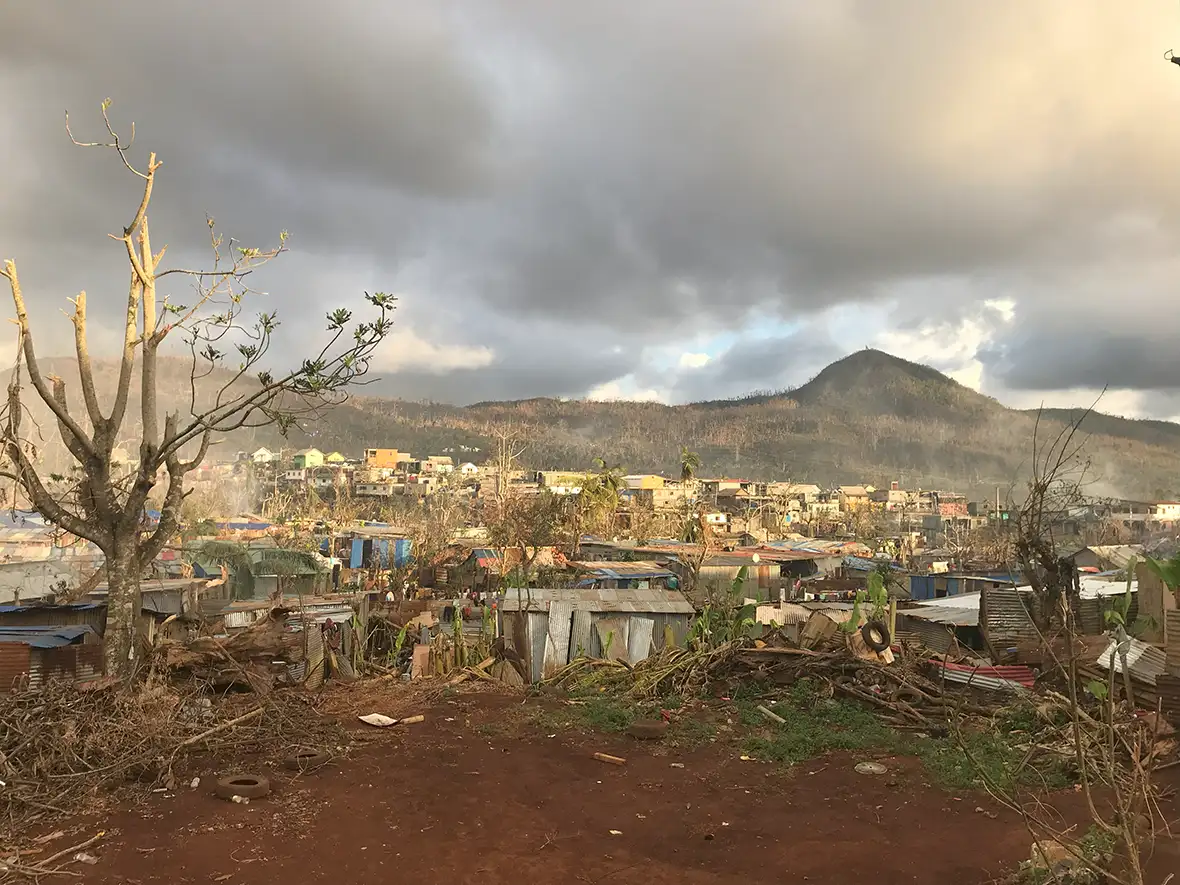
(827, 726)
(606, 713)
(691, 732)
(986, 757)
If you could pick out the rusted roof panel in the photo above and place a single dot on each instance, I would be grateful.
(1146, 662)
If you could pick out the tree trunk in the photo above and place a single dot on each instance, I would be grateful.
(123, 608)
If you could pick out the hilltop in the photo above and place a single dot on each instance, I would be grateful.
(869, 417)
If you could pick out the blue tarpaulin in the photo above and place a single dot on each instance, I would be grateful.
(358, 553)
(383, 552)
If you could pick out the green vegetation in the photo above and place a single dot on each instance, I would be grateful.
(817, 724)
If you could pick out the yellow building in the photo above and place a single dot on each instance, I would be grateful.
(644, 481)
(387, 458)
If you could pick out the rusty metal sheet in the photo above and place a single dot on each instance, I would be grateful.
(14, 664)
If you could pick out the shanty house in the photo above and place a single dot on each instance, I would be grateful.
(607, 575)
(769, 570)
(1102, 557)
(485, 568)
(258, 569)
(33, 655)
(550, 627)
(939, 585)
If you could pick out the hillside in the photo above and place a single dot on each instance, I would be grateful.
(869, 417)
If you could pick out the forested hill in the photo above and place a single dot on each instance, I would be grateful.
(869, 417)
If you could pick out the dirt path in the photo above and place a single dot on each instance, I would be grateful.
(441, 802)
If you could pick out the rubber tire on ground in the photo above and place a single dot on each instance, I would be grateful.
(306, 760)
(876, 635)
(248, 786)
(907, 695)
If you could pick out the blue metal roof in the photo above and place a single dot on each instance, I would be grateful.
(72, 606)
(45, 637)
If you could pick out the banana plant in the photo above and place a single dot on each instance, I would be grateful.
(1167, 570)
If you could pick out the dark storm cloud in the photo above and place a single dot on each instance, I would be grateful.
(1109, 323)
(1068, 356)
(771, 363)
(619, 171)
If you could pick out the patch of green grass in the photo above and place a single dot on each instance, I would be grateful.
(828, 726)
(495, 728)
(690, 731)
(605, 713)
(986, 757)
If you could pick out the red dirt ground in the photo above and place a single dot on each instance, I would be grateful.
(440, 802)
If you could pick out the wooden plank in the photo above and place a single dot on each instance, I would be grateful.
(639, 633)
(420, 662)
(557, 638)
(580, 634)
(612, 636)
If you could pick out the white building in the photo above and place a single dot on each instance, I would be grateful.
(263, 456)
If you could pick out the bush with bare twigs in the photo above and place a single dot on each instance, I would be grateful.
(62, 748)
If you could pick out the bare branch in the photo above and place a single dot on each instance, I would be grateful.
(70, 427)
(85, 370)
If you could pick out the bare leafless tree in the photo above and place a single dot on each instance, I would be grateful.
(1060, 473)
(96, 500)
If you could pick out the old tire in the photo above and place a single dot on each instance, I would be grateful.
(907, 695)
(248, 786)
(876, 635)
(307, 760)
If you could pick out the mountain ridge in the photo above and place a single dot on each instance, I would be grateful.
(869, 417)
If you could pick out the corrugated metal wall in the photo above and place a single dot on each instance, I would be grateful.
(528, 636)
(69, 662)
(1172, 619)
(934, 636)
(14, 664)
(1004, 620)
(1090, 613)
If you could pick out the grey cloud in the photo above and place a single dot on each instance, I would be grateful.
(762, 363)
(616, 170)
(525, 368)
(1110, 323)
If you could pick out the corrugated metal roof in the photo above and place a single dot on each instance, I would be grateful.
(995, 678)
(956, 616)
(624, 570)
(1146, 662)
(70, 606)
(595, 600)
(783, 613)
(45, 637)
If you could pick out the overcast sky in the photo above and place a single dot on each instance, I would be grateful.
(670, 199)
